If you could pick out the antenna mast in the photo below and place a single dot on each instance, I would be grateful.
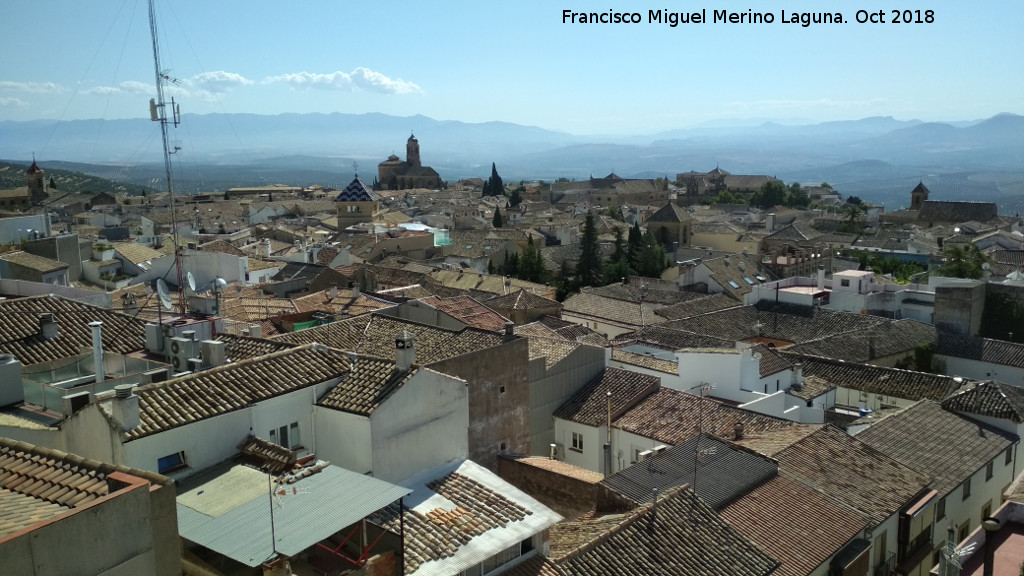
(158, 113)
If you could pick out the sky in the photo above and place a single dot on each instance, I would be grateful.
(514, 61)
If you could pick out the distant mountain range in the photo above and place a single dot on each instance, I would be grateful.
(221, 150)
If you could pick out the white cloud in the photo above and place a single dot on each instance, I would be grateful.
(31, 87)
(219, 81)
(359, 79)
(12, 102)
(128, 87)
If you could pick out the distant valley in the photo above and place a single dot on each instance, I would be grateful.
(878, 159)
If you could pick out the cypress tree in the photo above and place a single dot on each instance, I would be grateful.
(588, 268)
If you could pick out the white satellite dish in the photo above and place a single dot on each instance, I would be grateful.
(164, 293)
(191, 282)
(220, 284)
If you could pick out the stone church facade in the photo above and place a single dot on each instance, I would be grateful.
(394, 174)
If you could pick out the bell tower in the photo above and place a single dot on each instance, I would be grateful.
(412, 152)
(36, 180)
(918, 196)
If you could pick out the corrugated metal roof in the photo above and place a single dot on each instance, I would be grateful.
(312, 509)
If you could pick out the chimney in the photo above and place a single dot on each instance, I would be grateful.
(266, 247)
(405, 351)
(798, 376)
(554, 450)
(11, 391)
(256, 330)
(97, 350)
(769, 223)
(124, 408)
(737, 431)
(49, 328)
(333, 292)
(509, 331)
(991, 526)
(355, 289)
(821, 276)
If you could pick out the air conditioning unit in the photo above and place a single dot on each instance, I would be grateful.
(659, 449)
(182, 347)
(157, 375)
(214, 352)
(195, 364)
(642, 456)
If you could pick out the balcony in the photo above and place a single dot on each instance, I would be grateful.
(886, 566)
(915, 552)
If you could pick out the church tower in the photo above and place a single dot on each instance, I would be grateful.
(36, 184)
(918, 196)
(412, 152)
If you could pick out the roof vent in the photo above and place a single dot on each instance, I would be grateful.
(49, 328)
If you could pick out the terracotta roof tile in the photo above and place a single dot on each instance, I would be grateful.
(589, 406)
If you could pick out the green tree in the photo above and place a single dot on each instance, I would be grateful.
(511, 265)
(797, 197)
(854, 200)
(531, 265)
(494, 185)
(963, 262)
(516, 197)
(726, 197)
(588, 267)
(652, 260)
(826, 186)
(634, 243)
(497, 221)
(617, 267)
(771, 193)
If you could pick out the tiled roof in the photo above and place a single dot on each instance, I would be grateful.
(344, 303)
(853, 472)
(551, 350)
(37, 484)
(469, 311)
(670, 339)
(270, 457)
(631, 293)
(522, 300)
(217, 391)
(982, 349)
(792, 522)
(937, 442)
(223, 247)
(991, 399)
(673, 417)
(40, 264)
(645, 361)
(788, 322)
(457, 508)
(717, 471)
(589, 406)
(890, 338)
(374, 335)
(20, 335)
(670, 212)
(904, 384)
(238, 348)
(949, 211)
(356, 191)
(682, 536)
(771, 361)
(592, 305)
(136, 253)
(702, 305)
(368, 383)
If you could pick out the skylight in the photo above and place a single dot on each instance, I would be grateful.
(734, 285)
(748, 280)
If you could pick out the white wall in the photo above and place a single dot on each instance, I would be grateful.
(343, 439)
(423, 425)
(592, 456)
(978, 370)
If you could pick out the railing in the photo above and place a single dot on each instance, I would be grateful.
(924, 539)
(886, 566)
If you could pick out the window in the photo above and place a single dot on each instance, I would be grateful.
(961, 533)
(287, 436)
(501, 390)
(967, 490)
(171, 462)
(940, 509)
(986, 510)
(1009, 456)
(577, 441)
(988, 471)
(844, 282)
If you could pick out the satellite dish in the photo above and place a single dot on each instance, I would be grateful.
(164, 293)
(191, 282)
(220, 284)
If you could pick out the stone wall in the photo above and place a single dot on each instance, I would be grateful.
(568, 495)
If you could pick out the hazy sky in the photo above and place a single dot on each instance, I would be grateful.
(513, 61)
